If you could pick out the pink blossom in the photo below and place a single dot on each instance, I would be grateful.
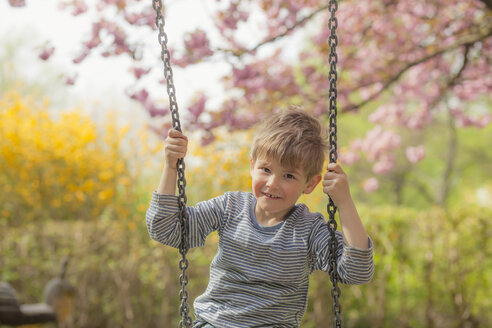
(197, 47)
(392, 114)
(369, 91)
(248, 119)
(248, 78)
(198, 107)
(307, 71)
(81, 57)
(140, 96)
(17, 3)
(144, 18)
(365, 93)
(464, 120)
(322, 37)
(320, 107)
(47, 52)
(415, 154)
(379, 142)
(370, 185)
(384, 165)
(243, 121)
(70, 80)
(138, 72)
(163, 130)
(469, 89)
(92, 43)
(231, 17)
(356, 144)
(419, 119)
(106, 3)
(155, 111)
(119, 43)
(407, 48)
(483, 120)
(119, 39)
(348, 157)
(78, 6)
(207, 138)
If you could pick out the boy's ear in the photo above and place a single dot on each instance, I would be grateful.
(251, 165)
(312, 183)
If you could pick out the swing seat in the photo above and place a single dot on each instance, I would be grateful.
(13, 313)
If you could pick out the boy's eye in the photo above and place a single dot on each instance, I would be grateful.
(289, 176)
(266, 169)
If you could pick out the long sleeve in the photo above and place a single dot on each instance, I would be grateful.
(355, 266)
(259, 275)
(163, 220)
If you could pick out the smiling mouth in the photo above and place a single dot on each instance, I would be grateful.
(270, 196)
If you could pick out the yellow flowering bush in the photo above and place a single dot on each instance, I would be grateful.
(59, 166)
(220, 166)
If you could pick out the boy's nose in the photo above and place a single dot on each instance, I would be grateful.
(272, 179)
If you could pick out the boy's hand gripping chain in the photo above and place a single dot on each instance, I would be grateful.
(332, 223)
(184, 308)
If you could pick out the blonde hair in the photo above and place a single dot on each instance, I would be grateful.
(294, 138)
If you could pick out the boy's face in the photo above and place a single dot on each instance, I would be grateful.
(277, 188)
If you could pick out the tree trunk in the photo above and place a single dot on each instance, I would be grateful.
(446, 178)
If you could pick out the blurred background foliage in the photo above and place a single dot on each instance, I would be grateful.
(76, 186)
(433, 263)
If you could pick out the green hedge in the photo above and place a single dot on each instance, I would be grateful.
(433, 269)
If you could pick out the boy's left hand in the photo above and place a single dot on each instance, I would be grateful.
(336, 185)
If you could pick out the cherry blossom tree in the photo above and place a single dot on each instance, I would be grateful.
(407, 61)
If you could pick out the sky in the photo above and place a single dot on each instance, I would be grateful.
(102, 81)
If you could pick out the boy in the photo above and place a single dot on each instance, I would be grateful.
(268, 244)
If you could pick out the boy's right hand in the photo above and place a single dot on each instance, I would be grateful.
(175, 147)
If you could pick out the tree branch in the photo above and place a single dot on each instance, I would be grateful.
(455, 78)
(274, 38)
(488, 3)
(451, 82)
(423, 189)
(453, 138)
(450, 160)
(466, 41)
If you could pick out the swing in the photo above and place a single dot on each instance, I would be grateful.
(184, 308)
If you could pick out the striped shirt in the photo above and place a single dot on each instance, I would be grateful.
(260, 275)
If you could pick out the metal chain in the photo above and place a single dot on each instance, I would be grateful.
(331, 208)
(184, 308)
(332, 224)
